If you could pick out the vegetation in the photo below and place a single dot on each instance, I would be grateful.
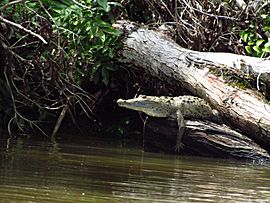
(256, 35)
(57, 57)
(49, 49)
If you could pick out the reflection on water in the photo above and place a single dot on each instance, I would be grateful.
(43, 172)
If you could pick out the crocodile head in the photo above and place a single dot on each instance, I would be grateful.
(150, 105)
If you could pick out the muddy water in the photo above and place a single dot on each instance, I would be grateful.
(117, 172)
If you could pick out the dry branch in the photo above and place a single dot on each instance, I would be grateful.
(23, 28)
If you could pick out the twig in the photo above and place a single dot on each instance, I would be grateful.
(59, 121)
(10, 4)
(24, 29)
(262, 7)
(16, 113)
(208, 14)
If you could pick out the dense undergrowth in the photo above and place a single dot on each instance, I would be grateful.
(57, 57)
(49, 50)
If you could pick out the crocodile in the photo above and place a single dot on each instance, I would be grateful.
(180, 107)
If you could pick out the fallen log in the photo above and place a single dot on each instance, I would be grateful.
(242, 109)
(202, 138)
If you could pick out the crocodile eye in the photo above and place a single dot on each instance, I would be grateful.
(143, 96)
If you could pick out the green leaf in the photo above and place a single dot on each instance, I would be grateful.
(257, 49)
(248, 49)
(105, 76)
(267, 44)
(101, 23)
(112, 68)
(105, 49)
(95, 67)
(103, 4)
(101, 36)
(111, 52)
(112, 31)
(250, 43)
(266, 49)
(45, 1)
(245, 37)
(266, 28)
(75, 22)
(259, 42)
(94, 29)
(115, 4)
(59, 5)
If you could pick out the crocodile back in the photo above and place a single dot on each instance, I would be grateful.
(194, 107)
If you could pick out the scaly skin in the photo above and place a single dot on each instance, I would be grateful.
(177, 107)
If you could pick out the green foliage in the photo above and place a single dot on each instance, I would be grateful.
(91, 41)
(39, 80)
(255, 37)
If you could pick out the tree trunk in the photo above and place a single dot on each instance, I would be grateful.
(243, 109)
(202, 138)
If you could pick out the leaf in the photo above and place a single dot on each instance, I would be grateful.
(111, 52)
(101, 36)
(266, 28)
(103, 4)
(257, 49)
(105, 76)
(95, 67)
(104, 49)
(45, 1)
(245, 36)
(251, 43)
(112, 68)
(59, 5)
(267, 44)
(248, 49)
(259, 42)
(75, 22)
(112, 31)
(115, 4)
(266, 49)
(94, 29)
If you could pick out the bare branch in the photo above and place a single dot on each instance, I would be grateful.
(59, 121)
(24, 29)
(10, 4)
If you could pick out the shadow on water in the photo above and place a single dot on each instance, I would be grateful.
(95, 172)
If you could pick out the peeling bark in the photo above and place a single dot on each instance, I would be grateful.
(246, 110)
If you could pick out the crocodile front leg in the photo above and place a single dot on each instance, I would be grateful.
(181, 130)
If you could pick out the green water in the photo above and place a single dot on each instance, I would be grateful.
(95, 172)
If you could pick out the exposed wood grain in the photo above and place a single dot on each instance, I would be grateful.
(245, 110)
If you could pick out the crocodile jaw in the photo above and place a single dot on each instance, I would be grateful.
(149, 107)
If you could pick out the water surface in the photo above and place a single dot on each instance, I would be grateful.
(99, 172)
